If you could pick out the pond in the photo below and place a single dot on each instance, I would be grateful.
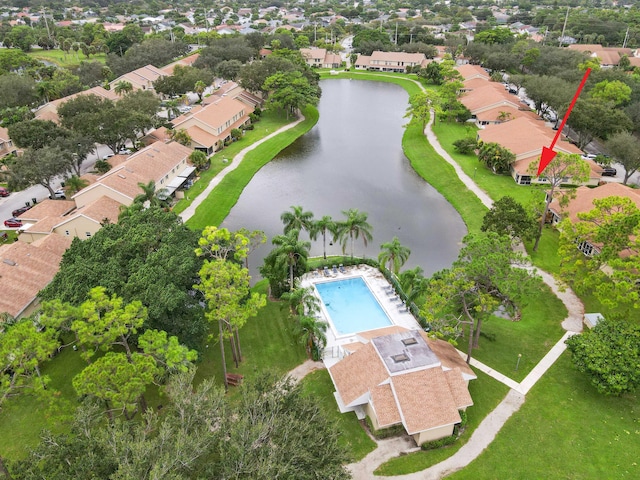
(352, 158)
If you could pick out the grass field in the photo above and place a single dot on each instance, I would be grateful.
(565, 430)
(67, 60)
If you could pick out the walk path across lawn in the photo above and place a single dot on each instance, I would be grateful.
(191, 209)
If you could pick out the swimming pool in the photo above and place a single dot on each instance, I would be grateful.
(351, 307)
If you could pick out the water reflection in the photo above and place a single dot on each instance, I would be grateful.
(353, 159)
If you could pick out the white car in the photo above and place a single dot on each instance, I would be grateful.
(59, 194)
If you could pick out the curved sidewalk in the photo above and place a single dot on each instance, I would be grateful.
(493, 423)
(191, 209)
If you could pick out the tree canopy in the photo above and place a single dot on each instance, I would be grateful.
(148, 256)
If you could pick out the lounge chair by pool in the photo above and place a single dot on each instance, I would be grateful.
(326, 271)
(335, 270)
(341, 268)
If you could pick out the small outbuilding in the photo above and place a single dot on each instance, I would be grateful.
(592, 319)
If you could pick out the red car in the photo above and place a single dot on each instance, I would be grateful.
(4, 192)
(19, 211)
(13, 223)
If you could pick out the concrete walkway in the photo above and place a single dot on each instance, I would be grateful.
(191, 209)
(491, 425)
(466, 179)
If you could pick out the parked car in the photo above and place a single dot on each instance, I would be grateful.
(107, 156)
(19, 211)
(13, 223)
(58, 194)
(4, 192)
(124, 151)
(609, 172)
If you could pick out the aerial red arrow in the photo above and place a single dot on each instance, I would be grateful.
(547, 153)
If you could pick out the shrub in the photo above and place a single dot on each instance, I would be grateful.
(392, 431)
(465, 145)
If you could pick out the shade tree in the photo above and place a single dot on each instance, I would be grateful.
(41, 166)
(562, 166)
(508, 217)
(147, 256)
(624, 147)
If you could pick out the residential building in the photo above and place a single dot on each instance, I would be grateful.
(164, 163)
(525, 138)
(389, 61)
(25, 269)
(210, 126)
(608, 56)
(321, 58)
(183, 62)
(141, 78)
(49, 111)
(397, 376)
(6, 145)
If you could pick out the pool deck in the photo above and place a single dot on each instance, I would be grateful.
(381, 290)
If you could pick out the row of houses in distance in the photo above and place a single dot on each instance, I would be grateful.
(504, 119)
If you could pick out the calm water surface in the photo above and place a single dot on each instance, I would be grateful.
(353, 158)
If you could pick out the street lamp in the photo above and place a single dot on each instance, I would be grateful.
(518, 362)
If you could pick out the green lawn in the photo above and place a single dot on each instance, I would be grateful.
(269, 123)
(487, 393)
(72, 59)
(532, 336)
(565, 430)
(353, 437)
(217, 205)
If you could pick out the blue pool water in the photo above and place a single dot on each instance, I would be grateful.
(351, 306)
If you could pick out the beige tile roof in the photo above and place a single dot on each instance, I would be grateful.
(216, 114)
(397, 57)
(474, 82)
(314, 53)
(332, 59)
(183, 62)
(469, 71)
(363, 61)
(45, 225)
(524, 136)
(458, 388)
(25, 269)
(448, 355)
(385, 406)
(425, 400)
(368, 335)
(4, 134)
(493, 114)
(355, 374)
(90, 178)
(48, 208)
(98, 210)
(150, 163)
(140, 76)
(201, 137)
(51, 114)
(583, 201)
(491, 95)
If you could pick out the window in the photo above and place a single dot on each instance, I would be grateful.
(409, 341)
(525, 180)
(401, 357)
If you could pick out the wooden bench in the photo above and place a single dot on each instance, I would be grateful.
(234, 379)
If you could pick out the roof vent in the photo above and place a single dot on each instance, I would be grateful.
(401, 357)
(9, 262)
(409, 341)
(121, 176)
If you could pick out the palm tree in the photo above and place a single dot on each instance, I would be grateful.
(394, 254)
(173, 109)
(123, 87)
(199, 88)
(353, 227)
(291, 252)
(47, 90)
(413, 283)
(297, 219)
(302, 301)
(74, 184)
(312, 334)
(324, 225)
(149, 196)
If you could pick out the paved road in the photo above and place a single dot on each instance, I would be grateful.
(18, 199)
